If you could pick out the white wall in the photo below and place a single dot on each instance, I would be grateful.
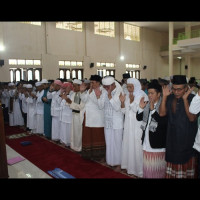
(50, 44)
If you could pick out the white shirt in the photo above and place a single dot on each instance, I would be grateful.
(39, 103)
(94, 108)
(114, 118)
(55, 103)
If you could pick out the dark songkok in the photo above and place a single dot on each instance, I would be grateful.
(163, 81)
(179, 80)
(154, 84)
(126, 75)
(96, 78)
(143, 81)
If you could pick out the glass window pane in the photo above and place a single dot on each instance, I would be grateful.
(61, 73)
(17, 73)
(73, 63)
(79, 74)
(79, 64)
(11, 76)
(73, 74)
(67, 74)
(67, 63)
(20, 62)
(37, 62)
(29, 62)
(104, 72)
(107, 73)
(37, 75)
(134, 75)
(61, 63)
(12, 62)
(98, 64)
(112, 73)
(30, 75)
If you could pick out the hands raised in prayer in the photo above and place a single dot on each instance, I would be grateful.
(185, 96)
(166, 90)
(122, 97)
(142, 103)
(98, 92)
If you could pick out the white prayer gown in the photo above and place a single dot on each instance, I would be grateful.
(113, 129)
(65, 122)
(31, 114)
(40, 113)
(132, 150)
(77, 121)
(55, 113)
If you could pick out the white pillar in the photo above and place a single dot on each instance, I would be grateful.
(188, 63)
(171, 35)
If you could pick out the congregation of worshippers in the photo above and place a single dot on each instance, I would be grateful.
(143, 128)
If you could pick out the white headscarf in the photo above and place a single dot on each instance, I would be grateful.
(138, 92)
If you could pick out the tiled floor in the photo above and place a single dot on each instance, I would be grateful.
(23, 169)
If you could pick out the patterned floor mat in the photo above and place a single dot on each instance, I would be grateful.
(19, 135)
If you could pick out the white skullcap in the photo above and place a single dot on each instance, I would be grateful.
(24, 85)
(29, 86)
(44, 81)
(11, 84)
(108, 80)
(167, 78)
(38, 84)
(77, 81)
(86, 81)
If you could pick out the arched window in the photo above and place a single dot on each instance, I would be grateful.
(73, 74)
(61, 73)
(79, 74)
(68, 74)
(17, 75)
(30, 75)
(37, 75)
(11, 76)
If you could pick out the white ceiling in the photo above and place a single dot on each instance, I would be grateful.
(162, 26)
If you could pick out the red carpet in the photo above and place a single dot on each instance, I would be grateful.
(48, 156)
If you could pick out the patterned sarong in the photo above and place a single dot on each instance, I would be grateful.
(186, 170)
(154, 164)
(93, 143)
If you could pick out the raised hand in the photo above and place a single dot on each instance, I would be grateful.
(185, 96)
(98, 93)
(142, 103)
(122, 97)
(166, 90)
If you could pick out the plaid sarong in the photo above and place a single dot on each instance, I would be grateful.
(186, 170)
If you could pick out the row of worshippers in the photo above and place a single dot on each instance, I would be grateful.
(147, 136)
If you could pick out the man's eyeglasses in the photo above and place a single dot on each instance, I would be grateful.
(177, 89)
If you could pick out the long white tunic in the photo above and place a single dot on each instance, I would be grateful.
(195, 109)
(94, 108)
(40, 113)
(11, 114)
(65, 122)
(132, 152)
(77, 121)
(31, 113)
(55, 113)
(113, 129)
(17, 114)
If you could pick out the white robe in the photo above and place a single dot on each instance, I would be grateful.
(17, 114)
(113, 129)
(132, 152)
(195, 109)
(40, 113)
(31, 113)
(11, 114)
(94, 107)
(55, 113)
(65, 123)
(77, 121)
